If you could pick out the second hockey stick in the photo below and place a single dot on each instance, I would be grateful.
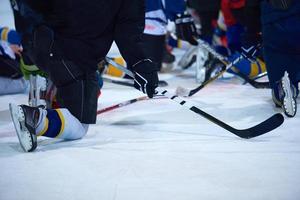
(268, 125)
(187, 93)
(125, 103)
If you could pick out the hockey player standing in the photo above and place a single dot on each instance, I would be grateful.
(68, 41)
(281, 30)
(158, 13)
(208, 11)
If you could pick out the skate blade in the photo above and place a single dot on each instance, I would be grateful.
(289, 103)
(25, 138)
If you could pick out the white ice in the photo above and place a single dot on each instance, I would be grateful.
(157, 150)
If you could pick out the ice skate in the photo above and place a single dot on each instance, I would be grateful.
(167, 62)
(289, 100)
(25, 119)
(189, 58)
(285, 96)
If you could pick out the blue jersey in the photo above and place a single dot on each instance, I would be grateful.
(9, 35)
(158, 12)
(7, 38)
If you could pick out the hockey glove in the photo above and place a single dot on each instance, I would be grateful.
(186, 29)
(145, 77)
(250, 52)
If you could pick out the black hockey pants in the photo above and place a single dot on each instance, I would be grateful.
(77, 89)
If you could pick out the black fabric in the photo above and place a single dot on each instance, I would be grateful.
(208, 10)
(206, 18)
(271, 14)
(281, 49)
(80, 98)
(250, 3)
(9, 68)
(249, 17)
(47, 54)
(153, 46)
(77, 88)
(87, 29)
(186, 29)
(67, 39)
(26, 20)
(205, 5)
(281, 4)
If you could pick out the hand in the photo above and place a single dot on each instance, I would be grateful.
(145, 76)
(186, 29)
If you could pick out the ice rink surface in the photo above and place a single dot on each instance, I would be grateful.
(158, 150)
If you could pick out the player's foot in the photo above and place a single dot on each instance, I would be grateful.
(189, 58)
(25, 119)
(285, 96)
(167, 62)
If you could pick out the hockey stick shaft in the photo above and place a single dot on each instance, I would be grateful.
(129, 82)
(123, 83)
(125, 103)
(262, 128)
(185, 92)
(229, 64)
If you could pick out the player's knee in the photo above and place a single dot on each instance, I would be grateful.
(81, 99)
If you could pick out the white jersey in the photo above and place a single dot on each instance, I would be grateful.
(154, 26)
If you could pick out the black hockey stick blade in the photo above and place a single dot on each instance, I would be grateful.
(266, 126)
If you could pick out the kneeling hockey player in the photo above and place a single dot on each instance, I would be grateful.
(67, 42)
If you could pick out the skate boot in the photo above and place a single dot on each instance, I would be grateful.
(167, 62)
(25, 119)
(285, 96)
(203, 57)
(213, 68)
(189, 58)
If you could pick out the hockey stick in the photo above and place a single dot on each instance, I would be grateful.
(260, 75)
(186, 92)
(254, 83)
(125, 103)
(118, 82)
(268, 125)
(180, 91)
(127, 81)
